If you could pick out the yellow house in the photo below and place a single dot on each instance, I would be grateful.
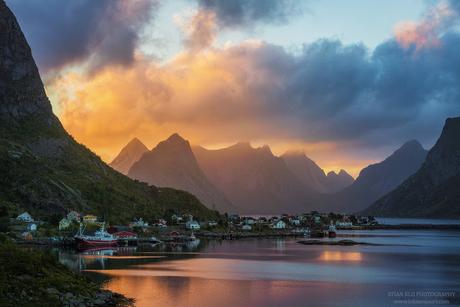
(89, 219)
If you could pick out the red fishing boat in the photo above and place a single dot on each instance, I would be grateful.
(101, 238)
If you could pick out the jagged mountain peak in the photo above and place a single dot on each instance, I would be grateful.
(174, 142)
(128, 155)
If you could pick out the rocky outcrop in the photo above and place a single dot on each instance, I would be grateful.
(21, 88)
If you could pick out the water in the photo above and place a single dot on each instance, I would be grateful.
(400, 221)
(409, 266)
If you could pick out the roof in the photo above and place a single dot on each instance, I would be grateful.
(125, 234)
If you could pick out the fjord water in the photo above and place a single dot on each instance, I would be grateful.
(409, 265)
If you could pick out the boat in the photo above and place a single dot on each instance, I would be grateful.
(154, 240)
(101, 238)
(332, 232)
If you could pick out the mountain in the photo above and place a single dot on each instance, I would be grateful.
(312, 176)
(130, 154)
(378, 179)
(433, 191)
(337, 181)
(253, 179)
(172, 164)
(43, 169)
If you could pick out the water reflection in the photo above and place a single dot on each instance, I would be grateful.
(277, 272)
(340, 256)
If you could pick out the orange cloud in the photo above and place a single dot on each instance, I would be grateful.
(206, 98)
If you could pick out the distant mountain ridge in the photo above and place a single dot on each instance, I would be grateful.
(378, 179)
(172, 164)
(130, 154)
(254, 179)
(434, 190)
(312, 176)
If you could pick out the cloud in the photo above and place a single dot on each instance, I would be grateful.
(243, 13)
(200, 30)
(63, 32)
(426, 33)
(344, 96)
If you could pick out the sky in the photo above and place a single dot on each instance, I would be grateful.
(347, 82)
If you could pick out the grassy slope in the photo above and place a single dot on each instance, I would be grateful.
(37, 279)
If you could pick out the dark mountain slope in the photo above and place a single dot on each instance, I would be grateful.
(434, 190)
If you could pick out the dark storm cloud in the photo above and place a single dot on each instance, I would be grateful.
(62, 32)
(237, 13)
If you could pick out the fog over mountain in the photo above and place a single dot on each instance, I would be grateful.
(312, 176)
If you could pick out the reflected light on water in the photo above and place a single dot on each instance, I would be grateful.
(340, 256)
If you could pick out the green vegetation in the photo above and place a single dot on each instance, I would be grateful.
(46, 172)
(36, 278)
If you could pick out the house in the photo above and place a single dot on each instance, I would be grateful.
(31, 227)
(295, 222)
(73, 216)
(262, 220)
(246, 227)
(176, 218)
(64, 224)
(317, 219)
(278, 225)
(25, 217)
(192, 225)
(89, 219)
(212, 223)
(344, 224)
(249, 220)
(139, 223)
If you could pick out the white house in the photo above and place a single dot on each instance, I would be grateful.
(73, 216)
(139, 223)
(249, 220)
(192, 225)
(246, 227)
(31, 227)
(295, 222)
(280, 224)
(344, 224)
(25, 217)
(64, 224)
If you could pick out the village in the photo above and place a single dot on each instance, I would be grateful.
(183, 227)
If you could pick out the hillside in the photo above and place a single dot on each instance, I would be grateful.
(44, 170)
(253, 179)
(433, 191)
(172, 164)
